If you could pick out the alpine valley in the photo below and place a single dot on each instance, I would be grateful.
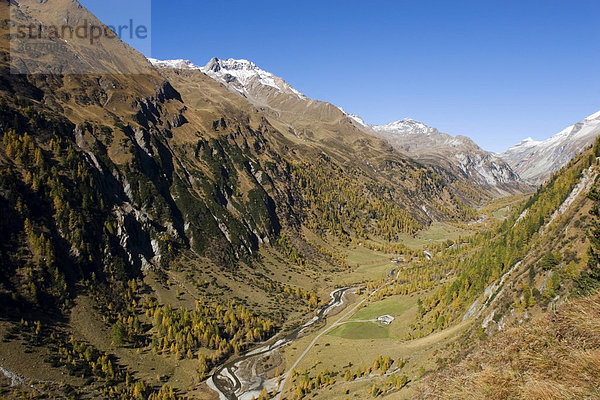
(173, 231)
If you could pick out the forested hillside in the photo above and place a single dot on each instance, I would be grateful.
(504, 313)
(547, 316)
(523, 242)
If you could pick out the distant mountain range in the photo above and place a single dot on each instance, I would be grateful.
(529, 162)
(535, 161)
(460, 155)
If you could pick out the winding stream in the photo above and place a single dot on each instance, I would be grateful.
(238, 379)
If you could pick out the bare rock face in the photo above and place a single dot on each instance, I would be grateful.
(459, 154)
(536, 161)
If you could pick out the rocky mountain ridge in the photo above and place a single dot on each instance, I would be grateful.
(535, 161)
(459, 155)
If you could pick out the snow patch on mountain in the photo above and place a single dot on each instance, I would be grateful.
(358, 119)
(241, 75)
(355, 118)
(528, 142)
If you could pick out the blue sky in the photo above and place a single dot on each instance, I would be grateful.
(496, 71)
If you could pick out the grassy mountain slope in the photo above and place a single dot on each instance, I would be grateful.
(553, 356)
(521, 243)
(466, 321)
(541, 314)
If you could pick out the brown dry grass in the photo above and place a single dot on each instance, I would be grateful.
(555, 356)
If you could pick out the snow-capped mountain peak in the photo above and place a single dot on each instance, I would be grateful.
(406, 127)
(457, 153)
(215, 65)
(525, 143)
(535, 160)
(240, 75)
(244, 76)
(242, 70)
(594, 116)
(358, 119)
(355, 117)
(176, 64)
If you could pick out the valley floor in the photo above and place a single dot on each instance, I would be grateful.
(351, 354)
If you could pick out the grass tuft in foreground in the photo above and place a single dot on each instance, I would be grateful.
(556, 356)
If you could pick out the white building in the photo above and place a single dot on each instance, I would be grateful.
(385, 319)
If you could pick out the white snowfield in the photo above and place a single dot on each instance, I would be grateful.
(246, 72)
(355, 118)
